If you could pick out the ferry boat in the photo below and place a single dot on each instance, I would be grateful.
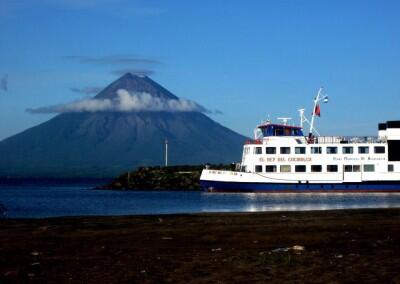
(282, 159)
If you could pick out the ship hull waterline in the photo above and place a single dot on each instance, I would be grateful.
(371, 186)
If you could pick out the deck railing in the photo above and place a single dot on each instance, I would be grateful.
(332, 140)
(257, 142)
(346, 139)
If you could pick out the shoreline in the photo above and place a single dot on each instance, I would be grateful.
(203, 214)
(353, 245)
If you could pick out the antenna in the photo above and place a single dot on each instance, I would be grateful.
(284, 120)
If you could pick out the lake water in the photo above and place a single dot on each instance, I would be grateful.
(39, 201)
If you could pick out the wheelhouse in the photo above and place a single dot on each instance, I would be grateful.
(269, 130)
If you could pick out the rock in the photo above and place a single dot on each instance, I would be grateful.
(297, 248)
(10, 273)
(280, 250)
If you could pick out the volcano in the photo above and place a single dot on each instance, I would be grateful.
(106, 143)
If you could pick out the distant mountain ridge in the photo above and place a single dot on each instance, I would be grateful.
(104, 144)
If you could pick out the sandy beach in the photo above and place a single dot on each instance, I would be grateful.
(340, 246)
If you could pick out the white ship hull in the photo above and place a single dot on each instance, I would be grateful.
(231, 181)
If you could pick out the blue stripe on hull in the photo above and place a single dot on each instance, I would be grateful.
(298, 187)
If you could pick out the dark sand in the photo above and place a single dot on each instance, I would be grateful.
(344, 246)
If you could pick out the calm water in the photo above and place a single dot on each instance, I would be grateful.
(71, 200)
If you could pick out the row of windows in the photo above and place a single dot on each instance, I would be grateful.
(316, 168)
(318, 150)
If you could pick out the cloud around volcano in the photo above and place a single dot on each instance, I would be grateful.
(124, 102)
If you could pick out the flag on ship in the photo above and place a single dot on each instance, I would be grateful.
(317, 110)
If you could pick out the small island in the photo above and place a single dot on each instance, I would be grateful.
(184, 177)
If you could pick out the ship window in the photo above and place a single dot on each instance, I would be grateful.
(347, 150)
(331, 150)
(316, 150)
(316, 168)
(243, 169)
(297, 132)
(390, 168)
(363, 150)
(268, 131)
(258, 150)
(258, 169)
(348, 168)
(285, 169)
(379, 150)
(270, 150)
(270, 169)
(300, 169)
(369, 168)
(246, 150)
(356, 168)
(300, 150)
(278, 131)
(331, 168)
(285, 150)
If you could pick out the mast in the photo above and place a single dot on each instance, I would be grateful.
(316, 100)
(302, 117)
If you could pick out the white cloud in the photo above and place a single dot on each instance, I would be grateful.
(124, 102)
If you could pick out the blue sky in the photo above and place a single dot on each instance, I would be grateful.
(249, 59)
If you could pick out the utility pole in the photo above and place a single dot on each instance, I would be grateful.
(166, 153)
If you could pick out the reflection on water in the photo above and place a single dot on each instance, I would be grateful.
(259, 202)
(51, 201)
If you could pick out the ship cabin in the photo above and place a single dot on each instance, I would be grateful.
(271, 129)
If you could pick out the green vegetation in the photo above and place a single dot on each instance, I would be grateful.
(163, 178)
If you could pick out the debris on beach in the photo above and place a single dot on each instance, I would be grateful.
(167, 238)
(296, 248)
